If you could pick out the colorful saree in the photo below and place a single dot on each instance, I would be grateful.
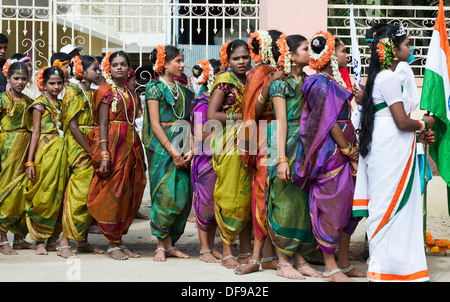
(232, 191)
(320, 168)
(288, 215)
(388, 193)
(14, 143)
(115, 197)
(256, 164)
(76, 218)
(44, 195)
(203, 175)
(170, 187)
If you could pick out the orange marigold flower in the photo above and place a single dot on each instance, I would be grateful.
(435, 250)
(40, 79)
(257, 58)
(223, 54)
(160, 58)
(78, 66)
(284, 51)
(325, 58)
(106, 66)
(6, 67)
(442, 243)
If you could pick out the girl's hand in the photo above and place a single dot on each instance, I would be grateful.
(429, 137)
(104, 166)
(283, 172)
(179, 162)
(429, 120)
(31, 174)
(188, 158)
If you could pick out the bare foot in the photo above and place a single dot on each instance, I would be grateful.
(172, 252)
(207, 256)
(6, 249)
(251, 267)
(52, 245)
(269, 263)
(286, 270)
(21, 244)
(85, 247)
(350, 271)
(216, 254)
(160, 254)
(307, 270)
(245, 258)
(128, 252)
(142, 216)
(65, 252)
(116, 253)
(40, 248)
(229, 262)
(336, 276)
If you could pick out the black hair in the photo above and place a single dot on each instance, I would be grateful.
(371, 32)
(368, 108)
(274, 35)
(120, 53)
(48, 72)
(294, 42)
(18, 56)
(171, 53)
(3, 39)
(17, 66)
(235, 45)
(61, 56)
(86, 61)
(197, 70)
(322, 43)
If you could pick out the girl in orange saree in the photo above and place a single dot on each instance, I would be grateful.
(118, 185)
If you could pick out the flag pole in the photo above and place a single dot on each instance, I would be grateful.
(425, 184)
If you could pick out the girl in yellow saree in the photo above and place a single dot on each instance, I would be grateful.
(232, 192)
(14, 142)
(45, 169)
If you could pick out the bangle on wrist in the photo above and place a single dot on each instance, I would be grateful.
(103, 140)
(261, 99)
(422, 125)
(282, 159)
(346, 151)
(29, 164)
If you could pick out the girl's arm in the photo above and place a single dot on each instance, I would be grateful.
(103, 114)
(78, 135)
(155, 123)
(343, 144)
(31, 173)
(215, 105)
(404, 123)
(259, 108)
(283, 170)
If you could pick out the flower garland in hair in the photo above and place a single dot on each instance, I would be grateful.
(285, 60)
(8, 64)
(386, 52)
(207, 76)
(106, 71)
(319, 60)
(265, 48)
(160, 59)
(78, 66)
(40, 79)
(223, 54)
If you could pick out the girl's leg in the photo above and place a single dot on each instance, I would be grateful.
(303, 267)
(64, 249)
(211, 236)
(228, 259)
(286, 269)
(255, 261)
(269, 260)
(5, 248)
(206, 254)
(245, 244)
(115, 251)
(344, 258)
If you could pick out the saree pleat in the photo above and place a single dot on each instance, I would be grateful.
(115, 197)
(256, 163)
(44, 195)
(232, 192)
(76, 218)
(14, 143)
(170, 187)
(203, 175)
(320, 167)
(288, 214)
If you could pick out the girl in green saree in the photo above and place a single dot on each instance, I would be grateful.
(166, 124)
(14, 142)
(232, 192)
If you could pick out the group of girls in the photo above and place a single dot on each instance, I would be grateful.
(71, 157)
(287, 183)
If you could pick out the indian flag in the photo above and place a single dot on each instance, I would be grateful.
(436, 95)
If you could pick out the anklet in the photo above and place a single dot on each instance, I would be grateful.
(4, 243)
(297, 265)
(279, 265)
(20, 241)
(205, 251)
(245, 255)
(333, 272)
(346, 270)
(268, 259)
(253, 261)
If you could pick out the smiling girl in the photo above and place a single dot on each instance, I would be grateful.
(45, 169)
(14, 143)
(118, 185)
(166, 121)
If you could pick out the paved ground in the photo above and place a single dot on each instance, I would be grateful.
(93, 268)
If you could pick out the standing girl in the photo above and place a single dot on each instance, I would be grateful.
(232, 192)
(14, 143)
(328, 145)
(166, 125)
(203, 175)
(257, 112)
(119, 181)
(387, 185)
(77, 122)
(45, 167)
(289, 219)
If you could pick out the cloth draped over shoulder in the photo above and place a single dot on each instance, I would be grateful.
(170, 187)
(76, 218)
(14, 143)
(232, 192)
(115, 197)
(45, 194)
(320, 167)
(288, 215)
